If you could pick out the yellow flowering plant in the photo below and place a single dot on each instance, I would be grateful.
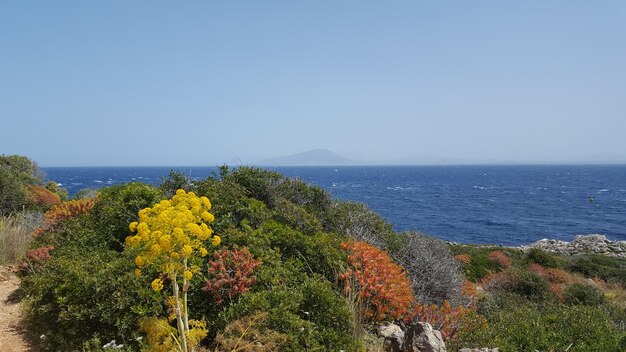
(171, 236)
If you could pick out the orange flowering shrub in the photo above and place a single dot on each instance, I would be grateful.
(537, 269)
(41, 253)
(373, 279)
(64, 211)
(558, 292)
(67, 210)
(500, 258)
(497, 281)
(231, 273)
(40, 196)
(463, 258)
(556, 276)
(448, 320)
(468, 289)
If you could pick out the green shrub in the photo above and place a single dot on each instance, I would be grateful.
(257, 182)
(599, 266)
(357, 221)
(480, 266)
(583, 294)
(545, 259)
(231, 205)
(174, 181)
(117, 206)
(312, 315)
(81, 294)
(16, 173)
(530, 285)
(554, 328)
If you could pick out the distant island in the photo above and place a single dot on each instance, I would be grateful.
(325, 157)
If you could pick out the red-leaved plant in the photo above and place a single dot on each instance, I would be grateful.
(41, 196)
(500, 259)
(463, 258)
(448, 320)
(64, 211)
(230, 273)
(378, 287)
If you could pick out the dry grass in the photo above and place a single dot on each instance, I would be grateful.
(15, 235)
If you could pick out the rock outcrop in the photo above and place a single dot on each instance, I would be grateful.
(393, 335)
(582, 244)
(416, 337)
(423, 338)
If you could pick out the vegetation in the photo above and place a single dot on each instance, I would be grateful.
(249, 260)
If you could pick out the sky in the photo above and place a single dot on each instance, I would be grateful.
(138, 83)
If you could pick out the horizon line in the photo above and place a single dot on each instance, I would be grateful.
(353, 165)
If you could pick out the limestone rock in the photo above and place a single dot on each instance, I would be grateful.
(393, 335)
(421, 337)
(594, 244)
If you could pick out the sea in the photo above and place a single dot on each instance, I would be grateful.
(502, 205)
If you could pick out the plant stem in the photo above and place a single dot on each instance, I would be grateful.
(185, 289)
(179, 320)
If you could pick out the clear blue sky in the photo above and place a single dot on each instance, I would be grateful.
(200, 83)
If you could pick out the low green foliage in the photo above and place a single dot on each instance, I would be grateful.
(598, 266)
(117, 207)
(544, 259)
(583, 294)
(554, 328)
(16, 174)
(81, 294)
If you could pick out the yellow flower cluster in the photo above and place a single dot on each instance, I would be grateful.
(170, 233)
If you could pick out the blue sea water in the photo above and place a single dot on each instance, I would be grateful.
(508, 205)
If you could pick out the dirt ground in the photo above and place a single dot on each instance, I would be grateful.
(12, 335)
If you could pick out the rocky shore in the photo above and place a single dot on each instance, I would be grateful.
(582, 244)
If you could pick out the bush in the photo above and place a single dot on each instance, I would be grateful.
(554, 328)
(500, 259)
(434, 273)
(40, 197)
(377, 287)
(80, 294)
(356, 221)
(174, 181)
(453, 323)
(598, 266)
(17, 174)
(231, 205)
(583, 294)
(524, 283)
(543, 258)
(230, 274)
(250, 334)
(310, 314)
(117, 206)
